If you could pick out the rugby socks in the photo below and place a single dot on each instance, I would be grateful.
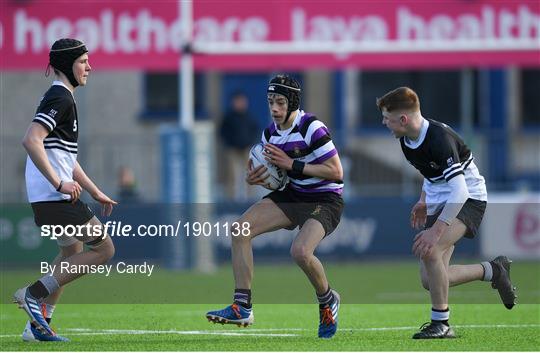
(488, 271)
(491, 271)
(441, 316)
(325, 299)
(48, 311)
(43, 287)
(243, 297)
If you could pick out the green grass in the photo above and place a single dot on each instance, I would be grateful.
(362, 327)
(383, 306)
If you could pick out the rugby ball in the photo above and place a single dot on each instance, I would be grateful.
(277, 177)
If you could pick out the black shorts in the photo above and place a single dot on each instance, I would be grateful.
(325, 207)
(61, 213)
(471, 215)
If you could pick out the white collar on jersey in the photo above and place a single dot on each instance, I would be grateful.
(299, 114)
(60, 83)
(414, 144)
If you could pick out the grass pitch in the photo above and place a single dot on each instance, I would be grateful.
(386, 324)
(278, 327)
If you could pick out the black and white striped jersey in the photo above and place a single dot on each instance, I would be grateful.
(58, 114)
(440, 155)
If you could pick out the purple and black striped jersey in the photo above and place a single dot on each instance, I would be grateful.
(307, 140)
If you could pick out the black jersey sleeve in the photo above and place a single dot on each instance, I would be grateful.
(265, 137)
(51, 111)
(446, 154)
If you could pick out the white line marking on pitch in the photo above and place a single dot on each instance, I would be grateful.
(455, 294)
(174, 332)
(255, 332)
(177, 332)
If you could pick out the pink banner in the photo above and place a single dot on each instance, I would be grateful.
(126, 35)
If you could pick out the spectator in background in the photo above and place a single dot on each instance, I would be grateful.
(127, 190)
(239, 131)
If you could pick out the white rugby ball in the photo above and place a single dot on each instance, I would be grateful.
(277, 177)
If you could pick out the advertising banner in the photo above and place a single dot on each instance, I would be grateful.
(511, 227)
(127, 35)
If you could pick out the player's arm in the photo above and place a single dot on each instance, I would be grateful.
(422, 196)
(419, 211)
(33, 144)
(454, 175)
(455, 202)
(80, 176)
(427, 239)
(330, 169)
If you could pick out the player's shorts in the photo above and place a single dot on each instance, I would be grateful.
(325, 207)
(471, 215)
(62, 213)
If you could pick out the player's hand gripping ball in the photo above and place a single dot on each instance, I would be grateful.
(277, 177)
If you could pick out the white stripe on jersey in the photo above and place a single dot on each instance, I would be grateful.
(311, 181)
(48, 139)
(452, 168)
(51, 128)
(48, 118)
(311, 129)
(56, 144)
(452, 171)
(438, 193)
(321, 151)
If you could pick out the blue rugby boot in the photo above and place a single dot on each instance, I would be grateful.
(233, 314)
(31, 306)
(31, 334)
(328, 317)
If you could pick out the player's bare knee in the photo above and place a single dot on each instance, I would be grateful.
(240, 239)
(106, 250)
(434, 255)
(246, 231)
(300, 254)
(67, 251)
(104, 247)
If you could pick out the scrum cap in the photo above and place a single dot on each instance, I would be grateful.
(63, 54)
(287, 87)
